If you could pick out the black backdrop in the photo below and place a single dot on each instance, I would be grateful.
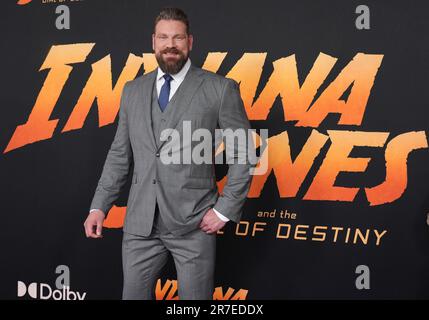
(47, 186)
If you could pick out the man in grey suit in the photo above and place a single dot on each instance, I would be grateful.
(173, 208)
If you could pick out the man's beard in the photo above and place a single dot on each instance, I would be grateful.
(171, 65)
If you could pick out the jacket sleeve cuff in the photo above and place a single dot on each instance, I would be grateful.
(221, 216)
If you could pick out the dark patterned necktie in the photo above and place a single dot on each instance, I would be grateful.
(165, 92)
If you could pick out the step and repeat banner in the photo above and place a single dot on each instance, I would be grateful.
(341, 87)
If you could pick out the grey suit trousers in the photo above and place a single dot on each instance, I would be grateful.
(143, 259)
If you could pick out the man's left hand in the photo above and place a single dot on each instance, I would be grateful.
(211, 222)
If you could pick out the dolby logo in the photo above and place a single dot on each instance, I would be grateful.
(44, 291)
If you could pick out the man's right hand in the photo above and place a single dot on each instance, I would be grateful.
(94, 224)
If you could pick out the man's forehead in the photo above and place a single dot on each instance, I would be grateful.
(170, 27)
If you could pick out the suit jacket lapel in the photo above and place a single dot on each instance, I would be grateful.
(146, 100)
(182, 97)
(185, 93)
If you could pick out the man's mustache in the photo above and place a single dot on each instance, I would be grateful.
(171, 51)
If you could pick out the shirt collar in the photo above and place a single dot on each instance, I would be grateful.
(180, 75)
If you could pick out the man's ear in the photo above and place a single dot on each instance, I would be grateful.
(190, 41)
(153, 41)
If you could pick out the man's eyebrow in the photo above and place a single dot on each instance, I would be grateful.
(175, 35)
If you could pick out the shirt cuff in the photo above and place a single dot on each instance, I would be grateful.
(221, 217)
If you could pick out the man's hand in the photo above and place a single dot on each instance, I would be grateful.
(94, 224)
(211, 222)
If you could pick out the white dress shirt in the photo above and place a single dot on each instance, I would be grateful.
(177, 79)
(174, 84)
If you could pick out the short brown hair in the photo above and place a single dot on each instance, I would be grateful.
(170, 13)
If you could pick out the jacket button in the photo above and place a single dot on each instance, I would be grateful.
(153, 181)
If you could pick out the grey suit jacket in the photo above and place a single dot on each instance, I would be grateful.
(184, 192)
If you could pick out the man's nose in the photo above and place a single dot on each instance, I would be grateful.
(171, 43)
